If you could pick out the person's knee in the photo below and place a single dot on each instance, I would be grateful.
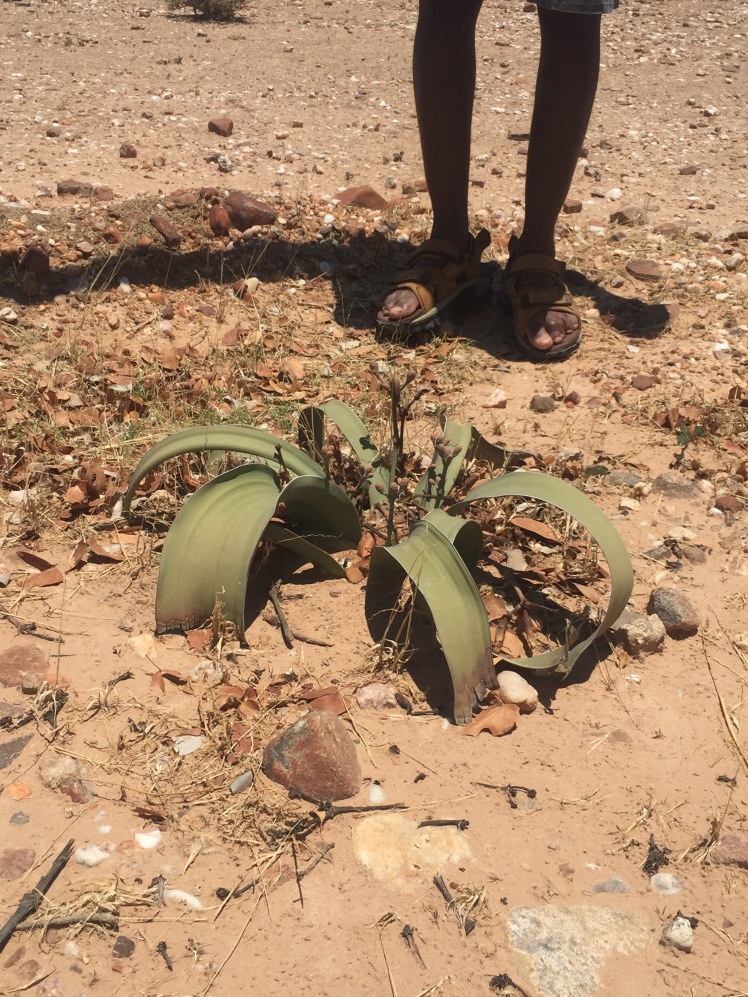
(443, 11)
(575, 30)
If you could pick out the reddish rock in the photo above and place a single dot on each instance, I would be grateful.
(245, 211)
(572, 207)
(219, 220)
(70, 777)
(36, 261)
(643, 270)
(364, 197)
(676, 611)
(731, 850)
(208, 193)
(644, 381)
(184, 199)
(9, 250)
(165, 229)
(627, 216)
(144, 242)
(221, 126)
(316, 758)
(671, 230)
(103, 193)
(85, 248)
(74, 187)
(729, 503)
(421, 185)
(15, 862)
(128, 151)
(19, 660)
(112, 235)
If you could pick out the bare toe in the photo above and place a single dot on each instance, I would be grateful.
(399, 305)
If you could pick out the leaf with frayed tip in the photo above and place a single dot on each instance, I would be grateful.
(527, 484)
(496, 456)
(441, 577)
(210, 546)
(302, 546)
(312, 438)
(455, 435)
(233, 439)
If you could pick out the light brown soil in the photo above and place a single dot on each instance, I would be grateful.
(623, 750)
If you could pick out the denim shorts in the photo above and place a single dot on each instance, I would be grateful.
(579, 6)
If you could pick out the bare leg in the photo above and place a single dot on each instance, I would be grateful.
(444, 83)
(564, 95)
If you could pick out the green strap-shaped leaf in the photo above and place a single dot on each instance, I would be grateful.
(289, 540)
(319, 506)
(235, 439)
(434, 566)
(209, 548)
(569, 499)
(312, 437)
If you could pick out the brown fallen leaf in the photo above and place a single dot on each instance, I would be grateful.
(198, 639)
(495, 606)
(497, 720)
(34, 560)
(512, 646)
(333, 703)
(52, 576)
(535, 526)
(171, 674)
(310, 694)
(107, 552)
(587, 591)
(353, 572)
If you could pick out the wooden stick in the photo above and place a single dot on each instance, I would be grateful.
(30, 902)
(285, 629)
(110, 921)
(27, 628)
(324, 848)
(725, 715)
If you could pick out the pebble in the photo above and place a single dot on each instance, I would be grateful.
(542, 404)
(19, 819)
(376, 696)
(128, 151)
(628, 479)
(8, 315)
(67, 775)
(665, 884)
(732, 850)
(638, 634)
(679, 934)
(612, 885)
(675, 485)
(497, 399)
(16, 862)
(148, 839)
(242, 782)
(642, 382)
(221, 126)
(513, 688)
(363, 197)
(123, 948)
(315, 757)
(627, 504)
(676, 612)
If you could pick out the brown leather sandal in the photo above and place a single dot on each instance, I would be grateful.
(437, 285)
(527, 301)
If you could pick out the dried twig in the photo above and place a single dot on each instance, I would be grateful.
(30, 902)
(28, 628)
(110, 921)
(324, 848)
(285, 629)
(725, 715)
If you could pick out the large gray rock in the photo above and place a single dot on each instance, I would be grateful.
(316, 758)
(564, 948)
(675, 485)
(638, 634)
(675, 610)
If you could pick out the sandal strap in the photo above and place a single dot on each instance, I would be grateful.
(559, 297)
(535, 263)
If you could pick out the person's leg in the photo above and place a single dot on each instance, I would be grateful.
(564, 95)
(444, 84)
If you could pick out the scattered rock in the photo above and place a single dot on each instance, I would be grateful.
(728, 503)
(74, 187)
(245, 211)
(497, 399)
(638, 634)
(731, 850)
(572, 207)
(128, 151)
(219, 220)
(628, 479)
(316, 758)
(364, 197)
(165, 229)
(16, 862)
(675, 610)
(19, 660)
(19, 819)
(675, 485)
(643, 270)
(221, 126)
(515, 689)
(35, 260)
(688, 170)
(628, 504)
(628, 216)
(678, 933)
(566, 947)
(123, 948)
(67, 775)
(666, 884)
(612, 885)
(376, 696)
(10, 750)
(642, 382)
(542, 404)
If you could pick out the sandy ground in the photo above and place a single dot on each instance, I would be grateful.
(624, 753)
